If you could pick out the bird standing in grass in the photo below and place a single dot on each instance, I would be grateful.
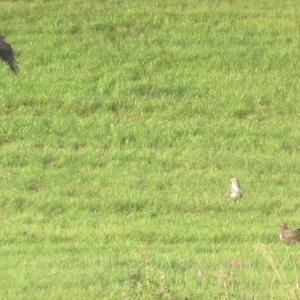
(289, 236)
(235, 191)
(7, 54)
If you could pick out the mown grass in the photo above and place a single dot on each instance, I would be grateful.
(119, 138)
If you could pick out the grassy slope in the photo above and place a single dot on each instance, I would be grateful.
(119, 138)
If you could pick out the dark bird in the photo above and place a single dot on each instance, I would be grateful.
(7, 54)
(289, 235)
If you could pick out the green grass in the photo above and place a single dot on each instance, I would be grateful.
(120, 135)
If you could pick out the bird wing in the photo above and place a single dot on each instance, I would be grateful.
(5, 49)
(7, 54)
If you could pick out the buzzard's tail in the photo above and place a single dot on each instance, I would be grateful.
(13, 64)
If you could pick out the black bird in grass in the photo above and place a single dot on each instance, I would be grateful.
(7, 54)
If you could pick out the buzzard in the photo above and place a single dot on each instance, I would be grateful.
(7, 54)
(289, 236)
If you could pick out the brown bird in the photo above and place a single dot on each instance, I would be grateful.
(289, 236)
(7, 54)
(235, 191)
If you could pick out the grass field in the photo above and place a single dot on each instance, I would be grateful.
(119, 138)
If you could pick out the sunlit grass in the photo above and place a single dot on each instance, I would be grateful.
(120, 135)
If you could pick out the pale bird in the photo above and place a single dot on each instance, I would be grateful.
(235, 191)
(289, 236)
